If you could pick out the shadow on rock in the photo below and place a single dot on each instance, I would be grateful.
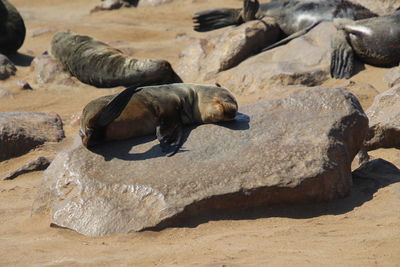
(21, 59)
(367, 180)
(122, 149)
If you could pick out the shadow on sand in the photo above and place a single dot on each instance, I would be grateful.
(121, 149)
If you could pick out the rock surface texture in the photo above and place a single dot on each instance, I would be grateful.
(290, 150)
(49, 70)
(21, 131)
(208, 56)
(304, 60)
(384, 120)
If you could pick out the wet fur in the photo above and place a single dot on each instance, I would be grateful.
(95, 63)
(12, 28)
(164, 106)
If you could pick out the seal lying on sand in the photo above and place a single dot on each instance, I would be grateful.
(12, 28)
(98, 64)
(375, 41)
(294, 18)
(162, 109)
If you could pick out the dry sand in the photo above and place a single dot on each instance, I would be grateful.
(360, 230)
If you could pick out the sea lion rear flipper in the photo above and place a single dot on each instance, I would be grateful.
(250, 8)
(169, 133)
(292, 36)
(213, 19)
(342, 58)
(113, 109)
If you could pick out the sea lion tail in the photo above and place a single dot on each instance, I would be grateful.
(213, 19)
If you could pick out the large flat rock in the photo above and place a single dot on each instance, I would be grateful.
(291, 150)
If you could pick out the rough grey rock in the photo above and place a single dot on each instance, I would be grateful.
(207, 56)
(21, 131)
(304, 61)
(380, 7)
(384, 120)
(41, 163)
(49, 70)
(378, 169)
(153, 2)
(392, 77)
(290, 150)
(7, 67)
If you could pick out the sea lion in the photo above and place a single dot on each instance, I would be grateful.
(294, 18)
(376, 41)
(12, 28)
(96, 63)
(162, 109)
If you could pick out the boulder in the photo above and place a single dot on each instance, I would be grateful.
(392, 77)
(21, 131)
(304, 60)
(7, 67)
(380, 7)
(290, 150)
(213, 53)
(384, 120)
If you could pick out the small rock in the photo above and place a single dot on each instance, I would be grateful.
(41, 163)
(21, 131)
(384, 120)
(379, 170)
(7, 67)
(153, 2)
(392, 77)
(49, 70)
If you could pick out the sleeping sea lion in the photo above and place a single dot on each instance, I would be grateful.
(162, 109)
(12, 28)
(96, 63)
(375, 41)
(294, 18)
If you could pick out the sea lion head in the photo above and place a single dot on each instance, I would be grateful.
(217, 104)
(90, 132)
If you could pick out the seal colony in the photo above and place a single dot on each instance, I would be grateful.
(96, 63)
(162, 109)
(375, 41)
(294, 18)
(12, 28)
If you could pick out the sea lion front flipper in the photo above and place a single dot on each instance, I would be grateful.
(292, 36)
(169, 133)
(342, 58)
(115, 107)
(213, 19)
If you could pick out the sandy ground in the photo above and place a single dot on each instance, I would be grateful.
(360, 230)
